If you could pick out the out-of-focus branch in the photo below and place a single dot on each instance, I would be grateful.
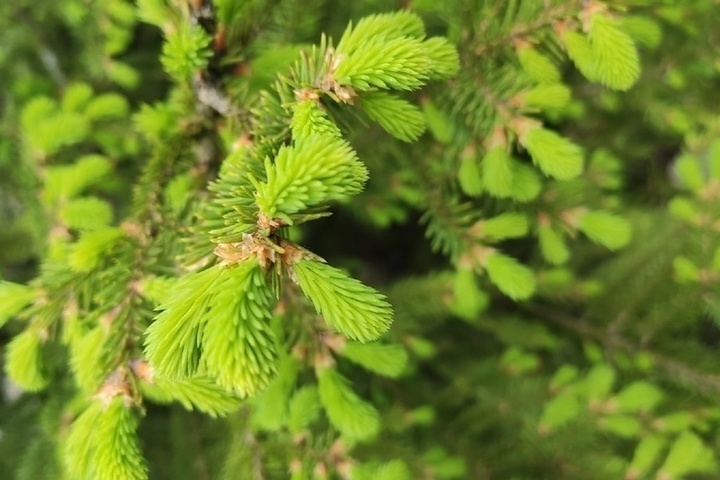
(701, 382)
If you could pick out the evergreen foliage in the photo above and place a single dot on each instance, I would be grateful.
(310, 239)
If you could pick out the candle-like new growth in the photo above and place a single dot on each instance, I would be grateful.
(348, 306)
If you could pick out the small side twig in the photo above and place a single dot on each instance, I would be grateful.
(704, 383)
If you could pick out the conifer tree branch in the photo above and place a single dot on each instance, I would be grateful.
(258, 135)
(546, 19)
(673, 370)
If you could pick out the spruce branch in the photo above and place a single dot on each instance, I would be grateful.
(705, 383)
(231, 163)
(489, 39)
